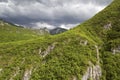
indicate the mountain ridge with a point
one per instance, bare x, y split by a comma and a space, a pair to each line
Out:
82, 53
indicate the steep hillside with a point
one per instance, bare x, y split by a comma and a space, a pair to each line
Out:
88, 52
106, 25
11, 33
53, 57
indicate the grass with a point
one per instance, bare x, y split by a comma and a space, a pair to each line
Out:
20, 48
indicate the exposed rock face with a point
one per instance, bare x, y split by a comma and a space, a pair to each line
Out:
97, 51
48, 50
97, 73
39, 51
27, 74
116, 50
1, 69
93, 72
75, 78
108, 26
43, 30
84, 42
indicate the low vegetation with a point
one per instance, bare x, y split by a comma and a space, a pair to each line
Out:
68, 55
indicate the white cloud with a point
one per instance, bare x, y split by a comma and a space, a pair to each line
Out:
50, 12
39, 25
68, 26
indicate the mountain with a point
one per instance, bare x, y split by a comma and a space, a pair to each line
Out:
11, 33
57, 30
42, 31
90, 51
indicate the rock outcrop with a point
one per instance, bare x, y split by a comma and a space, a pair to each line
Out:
93, 72
74, 78
116, 50
48, 50
98, 54
27, 74
83, 42
108, 26
1, 69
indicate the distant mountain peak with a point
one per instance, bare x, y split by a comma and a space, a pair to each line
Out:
57, 30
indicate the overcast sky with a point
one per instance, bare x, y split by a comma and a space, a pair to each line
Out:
50, 13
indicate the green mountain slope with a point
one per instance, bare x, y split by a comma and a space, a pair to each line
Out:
12, 33
88, 52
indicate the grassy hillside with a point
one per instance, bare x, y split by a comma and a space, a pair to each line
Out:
69, 57
83, 53
11, 33
106, 25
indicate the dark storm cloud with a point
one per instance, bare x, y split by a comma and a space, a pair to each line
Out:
51, 13
3, 0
